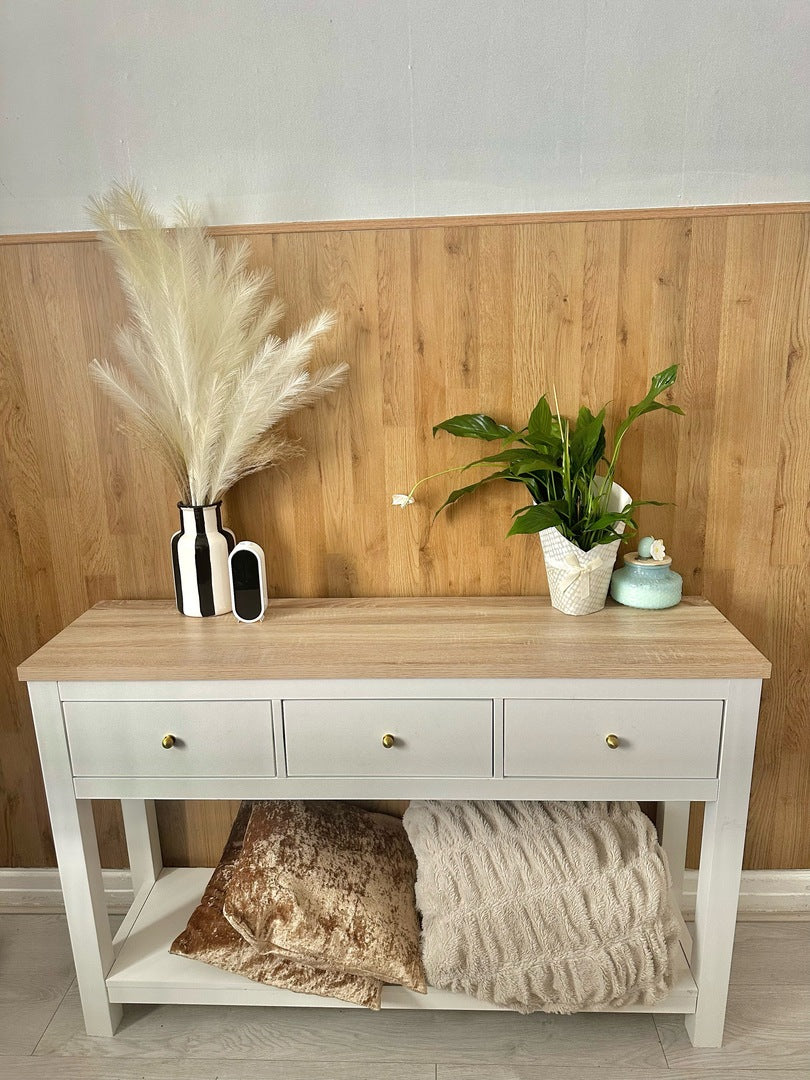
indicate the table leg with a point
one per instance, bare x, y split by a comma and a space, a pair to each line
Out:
74, 836
721, 854
143, 842
673, 828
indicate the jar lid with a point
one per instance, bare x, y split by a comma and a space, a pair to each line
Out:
632, 558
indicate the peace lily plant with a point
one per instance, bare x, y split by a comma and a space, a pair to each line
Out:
576, 505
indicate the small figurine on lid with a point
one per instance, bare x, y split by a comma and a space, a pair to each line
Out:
646, 580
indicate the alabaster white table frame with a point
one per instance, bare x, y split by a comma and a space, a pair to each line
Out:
681, 739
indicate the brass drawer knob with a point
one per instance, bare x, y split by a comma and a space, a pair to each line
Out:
388, 741
167, 742
612, 741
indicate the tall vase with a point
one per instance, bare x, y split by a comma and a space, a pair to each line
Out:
200, 559
578, 580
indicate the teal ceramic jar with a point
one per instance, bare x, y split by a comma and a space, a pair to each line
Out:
645, 583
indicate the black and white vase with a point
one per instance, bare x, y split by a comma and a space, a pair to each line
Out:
200, 560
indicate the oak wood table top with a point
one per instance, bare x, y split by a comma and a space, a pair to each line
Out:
426, 637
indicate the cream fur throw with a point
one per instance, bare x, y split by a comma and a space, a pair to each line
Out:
557, 906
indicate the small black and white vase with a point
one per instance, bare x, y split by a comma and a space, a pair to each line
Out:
200, 560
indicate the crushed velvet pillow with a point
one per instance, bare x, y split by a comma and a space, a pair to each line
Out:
330, 883
211, 938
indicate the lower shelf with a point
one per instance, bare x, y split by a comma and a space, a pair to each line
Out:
145, 971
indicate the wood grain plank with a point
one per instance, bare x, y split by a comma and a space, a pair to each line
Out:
771, 954
82, 1068
36, 970
437, 316
766, 1028
406, 637
207, 1033
37, 946
573, 1072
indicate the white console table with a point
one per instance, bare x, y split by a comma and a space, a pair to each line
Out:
494, 698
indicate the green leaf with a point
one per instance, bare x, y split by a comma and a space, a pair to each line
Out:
536, 464
515, 455
658, 384
522, 461
474, 426
608, 521
670, 408
610, 536
508, 440
541, 432
533, 519
663, 380
611, 519
557, 461
587, 440
540, 421
459, 493
551, 444
557, 505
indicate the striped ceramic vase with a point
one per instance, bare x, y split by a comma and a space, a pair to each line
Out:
200, 560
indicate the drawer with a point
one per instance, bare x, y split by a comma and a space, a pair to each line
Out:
667, 739
212, 738
431, 738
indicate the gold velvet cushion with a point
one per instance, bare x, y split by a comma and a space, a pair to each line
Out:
211, 938
330, 883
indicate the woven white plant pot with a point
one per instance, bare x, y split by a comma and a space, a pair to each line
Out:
578, 580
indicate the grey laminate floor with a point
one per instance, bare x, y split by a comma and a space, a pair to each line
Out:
767, 1035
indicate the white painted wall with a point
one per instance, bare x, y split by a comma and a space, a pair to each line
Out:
272, 110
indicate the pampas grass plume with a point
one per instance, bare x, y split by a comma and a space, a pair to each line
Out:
202, 380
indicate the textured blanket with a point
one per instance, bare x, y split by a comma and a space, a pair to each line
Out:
557, 906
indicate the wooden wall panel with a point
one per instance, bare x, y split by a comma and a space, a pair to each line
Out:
435, 319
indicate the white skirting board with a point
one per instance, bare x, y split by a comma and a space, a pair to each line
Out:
763, 893
35, 891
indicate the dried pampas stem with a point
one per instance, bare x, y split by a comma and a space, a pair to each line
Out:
202, 379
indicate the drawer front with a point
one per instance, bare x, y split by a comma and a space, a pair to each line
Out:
431, 738
212, 738
668, 739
